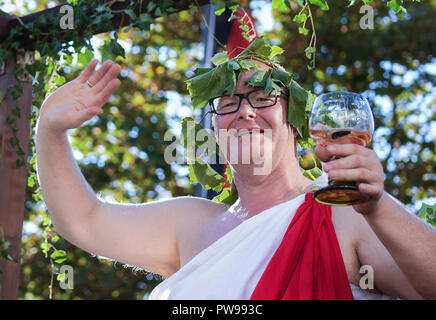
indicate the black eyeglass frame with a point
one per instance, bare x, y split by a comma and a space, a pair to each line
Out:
243, 96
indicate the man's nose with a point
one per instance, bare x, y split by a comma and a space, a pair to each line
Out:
245, 110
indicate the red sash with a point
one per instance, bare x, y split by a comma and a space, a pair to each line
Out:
308, 264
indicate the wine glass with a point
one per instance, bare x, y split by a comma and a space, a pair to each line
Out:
341, 118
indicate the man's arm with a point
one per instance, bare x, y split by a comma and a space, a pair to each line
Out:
141, 235
405, 239
409, 241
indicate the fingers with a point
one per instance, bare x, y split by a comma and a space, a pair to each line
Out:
349, 162
348, 167
357, 174
88, 71
107, 91
347, 149
372, 190
99, 74
322, 153
110, 74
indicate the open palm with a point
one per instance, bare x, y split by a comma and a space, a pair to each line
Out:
80, 99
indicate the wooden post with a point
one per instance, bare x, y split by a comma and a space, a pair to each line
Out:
13, 181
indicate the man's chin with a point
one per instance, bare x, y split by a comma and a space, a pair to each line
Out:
258, 165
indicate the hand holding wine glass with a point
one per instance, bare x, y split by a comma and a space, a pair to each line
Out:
341, 125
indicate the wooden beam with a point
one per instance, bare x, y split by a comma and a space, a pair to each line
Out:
13, 181
119, 20
4, 24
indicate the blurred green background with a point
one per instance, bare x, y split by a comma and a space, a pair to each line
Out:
121, 152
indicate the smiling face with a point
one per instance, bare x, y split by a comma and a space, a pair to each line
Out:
253, 136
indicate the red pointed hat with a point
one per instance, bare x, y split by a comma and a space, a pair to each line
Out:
236, 42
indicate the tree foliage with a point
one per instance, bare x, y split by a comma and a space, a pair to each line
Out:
121, 152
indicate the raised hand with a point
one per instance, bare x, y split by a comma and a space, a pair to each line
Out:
359, 164
80, 99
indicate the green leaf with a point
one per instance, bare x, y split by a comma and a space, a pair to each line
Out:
14, 141
281, 76
259, 47
309, 52
151, 5
228, 196
59, 256
248, 65
229, 174
300, 18
10, 120
46, 221
258, 79
199, 170
219, 58
61, 277
303, 31
281, 5
30, 181
45, 247
19, 163
190, 129
111, 49
320, 3
130, 13
17, 92
220, 11
117, 49
244, 28
219, 6
246, 36
352, 2
5, 245
212, 83
275, 50
300, 101
426, 210
288, 4
395, 5
207, 176
60, 80
84, 58
313, 173
193, 9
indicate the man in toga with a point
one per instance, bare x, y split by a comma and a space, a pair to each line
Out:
205, 249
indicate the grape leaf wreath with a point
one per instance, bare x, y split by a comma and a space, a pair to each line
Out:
211, 82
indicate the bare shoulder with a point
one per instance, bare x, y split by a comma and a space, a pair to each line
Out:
195, 209
195, 213
198, 226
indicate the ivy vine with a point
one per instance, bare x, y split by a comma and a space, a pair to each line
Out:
54, 47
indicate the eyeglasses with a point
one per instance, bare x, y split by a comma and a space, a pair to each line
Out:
257, 98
